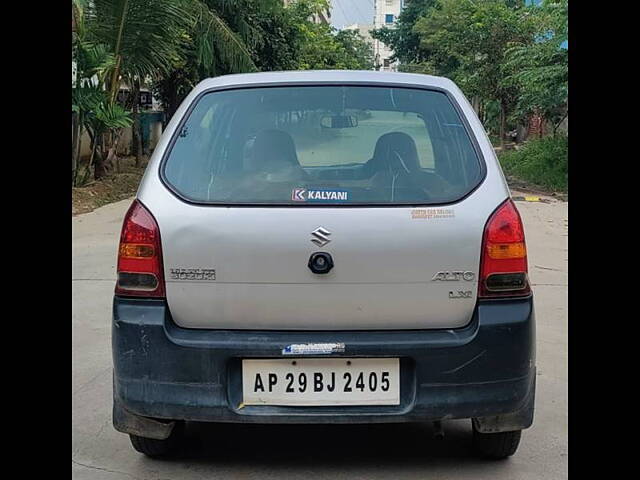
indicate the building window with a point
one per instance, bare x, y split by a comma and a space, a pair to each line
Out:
386, 63
389, 3
388, 18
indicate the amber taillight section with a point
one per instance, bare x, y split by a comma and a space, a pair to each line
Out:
140, 271
503, 267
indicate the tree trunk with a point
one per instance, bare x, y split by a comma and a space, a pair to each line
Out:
99, 168
475, 103
112, 153
75, 135
503, 124
78, 152
81, 130
87, 170
556, 126
172, 100
136, 131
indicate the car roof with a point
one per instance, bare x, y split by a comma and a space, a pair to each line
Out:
329, 76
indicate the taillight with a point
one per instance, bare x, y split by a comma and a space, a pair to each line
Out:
140, 271
503, 267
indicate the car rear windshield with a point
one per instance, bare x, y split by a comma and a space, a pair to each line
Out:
338, 145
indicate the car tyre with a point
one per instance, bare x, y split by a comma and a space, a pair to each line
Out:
497, 445
154, 448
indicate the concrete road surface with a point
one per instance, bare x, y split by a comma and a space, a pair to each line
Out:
310, 452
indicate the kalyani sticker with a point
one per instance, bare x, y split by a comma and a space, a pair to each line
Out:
319, 195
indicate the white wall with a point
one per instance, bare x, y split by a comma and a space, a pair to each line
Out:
124, 144
382, 8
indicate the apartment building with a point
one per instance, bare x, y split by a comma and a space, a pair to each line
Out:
385, 15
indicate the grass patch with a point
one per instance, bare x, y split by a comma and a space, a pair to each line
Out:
112, 188
543, 162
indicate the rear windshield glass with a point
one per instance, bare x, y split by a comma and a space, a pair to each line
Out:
323, 144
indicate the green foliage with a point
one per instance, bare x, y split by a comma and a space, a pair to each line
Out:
92, 59
279, 44
141, 40
358, 52
321, 50
222, 35
112, 116
467, 41
86, 99
226, 36
505, 56
540, 69
318, 45
276, 38
143, 35
150, 39
543, 162
92, 63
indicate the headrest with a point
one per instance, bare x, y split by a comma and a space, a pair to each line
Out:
273, 149
396, 142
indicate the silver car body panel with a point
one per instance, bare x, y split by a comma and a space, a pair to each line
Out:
385, 258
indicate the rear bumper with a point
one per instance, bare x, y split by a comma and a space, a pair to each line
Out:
485, 370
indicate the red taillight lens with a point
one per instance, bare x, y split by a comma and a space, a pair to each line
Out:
140, 271
503, 268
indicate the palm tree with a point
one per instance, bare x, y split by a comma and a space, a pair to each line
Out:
91, 110
224, 39
147, 37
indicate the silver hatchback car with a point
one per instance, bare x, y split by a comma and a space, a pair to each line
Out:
323, 247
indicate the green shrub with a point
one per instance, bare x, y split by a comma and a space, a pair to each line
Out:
542, 161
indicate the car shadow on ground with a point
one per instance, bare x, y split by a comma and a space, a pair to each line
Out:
332, 446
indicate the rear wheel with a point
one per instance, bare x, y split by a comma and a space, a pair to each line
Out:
155, 448
496, 445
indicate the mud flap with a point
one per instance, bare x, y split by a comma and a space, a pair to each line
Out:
126, 422
509, 422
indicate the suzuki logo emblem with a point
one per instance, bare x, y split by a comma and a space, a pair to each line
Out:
321, 236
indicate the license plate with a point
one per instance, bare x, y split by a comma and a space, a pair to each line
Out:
321, 381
